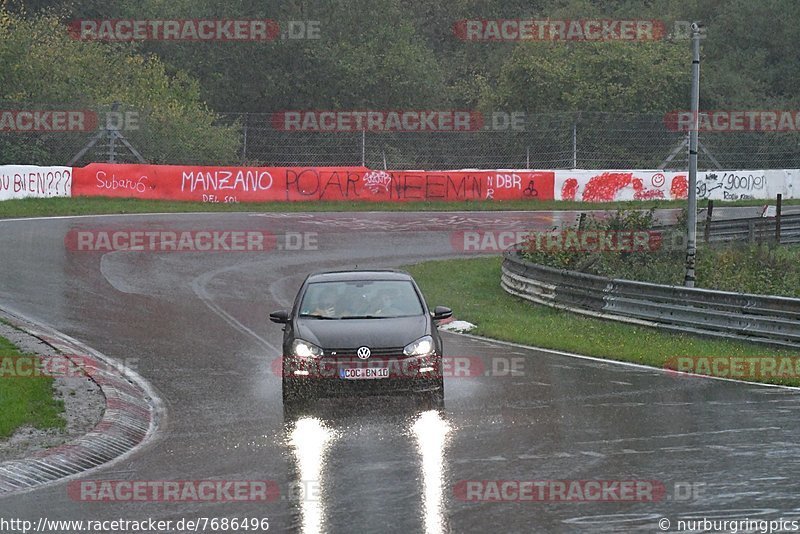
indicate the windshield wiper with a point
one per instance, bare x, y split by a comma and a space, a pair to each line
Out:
317, 316
363, 317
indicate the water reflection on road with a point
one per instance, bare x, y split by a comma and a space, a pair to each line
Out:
387, 430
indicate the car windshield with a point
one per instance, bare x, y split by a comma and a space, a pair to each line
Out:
363, 299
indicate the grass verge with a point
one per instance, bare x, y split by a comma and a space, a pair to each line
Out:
43, 207
501, 316
25, 400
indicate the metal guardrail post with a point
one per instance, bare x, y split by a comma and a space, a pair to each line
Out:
778, 218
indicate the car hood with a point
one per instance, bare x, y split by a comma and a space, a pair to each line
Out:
354, 333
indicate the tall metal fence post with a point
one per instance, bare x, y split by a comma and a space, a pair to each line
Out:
244, 139
574, 145
364, 147
112, 149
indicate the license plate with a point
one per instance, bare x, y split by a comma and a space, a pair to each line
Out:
364, 373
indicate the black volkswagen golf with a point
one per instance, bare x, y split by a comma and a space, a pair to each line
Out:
360, 331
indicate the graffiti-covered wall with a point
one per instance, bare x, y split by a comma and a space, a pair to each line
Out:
607, 186
259, 184
23, 181
263, 184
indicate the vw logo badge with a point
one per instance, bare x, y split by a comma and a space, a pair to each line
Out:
363, 353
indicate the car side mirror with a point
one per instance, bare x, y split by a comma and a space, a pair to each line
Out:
280, 316
442, 312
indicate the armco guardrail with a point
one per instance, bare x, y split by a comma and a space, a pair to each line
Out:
758, 318
754, 229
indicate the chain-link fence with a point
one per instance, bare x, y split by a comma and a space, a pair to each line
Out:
588, 140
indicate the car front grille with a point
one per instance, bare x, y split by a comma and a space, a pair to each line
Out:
350, 353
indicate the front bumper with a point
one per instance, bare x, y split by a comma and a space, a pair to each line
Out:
413, 373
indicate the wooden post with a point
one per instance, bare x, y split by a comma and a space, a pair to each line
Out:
709, 214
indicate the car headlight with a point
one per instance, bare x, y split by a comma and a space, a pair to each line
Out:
421, 347
304, 349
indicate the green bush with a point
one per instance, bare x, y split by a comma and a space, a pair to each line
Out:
763, 268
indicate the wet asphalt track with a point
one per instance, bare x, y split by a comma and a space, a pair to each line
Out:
194, 325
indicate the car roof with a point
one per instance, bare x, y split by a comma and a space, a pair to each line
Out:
342, 276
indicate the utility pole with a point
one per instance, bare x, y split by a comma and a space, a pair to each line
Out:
691, 238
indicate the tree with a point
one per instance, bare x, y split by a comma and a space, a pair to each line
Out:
588, 76
43, 67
